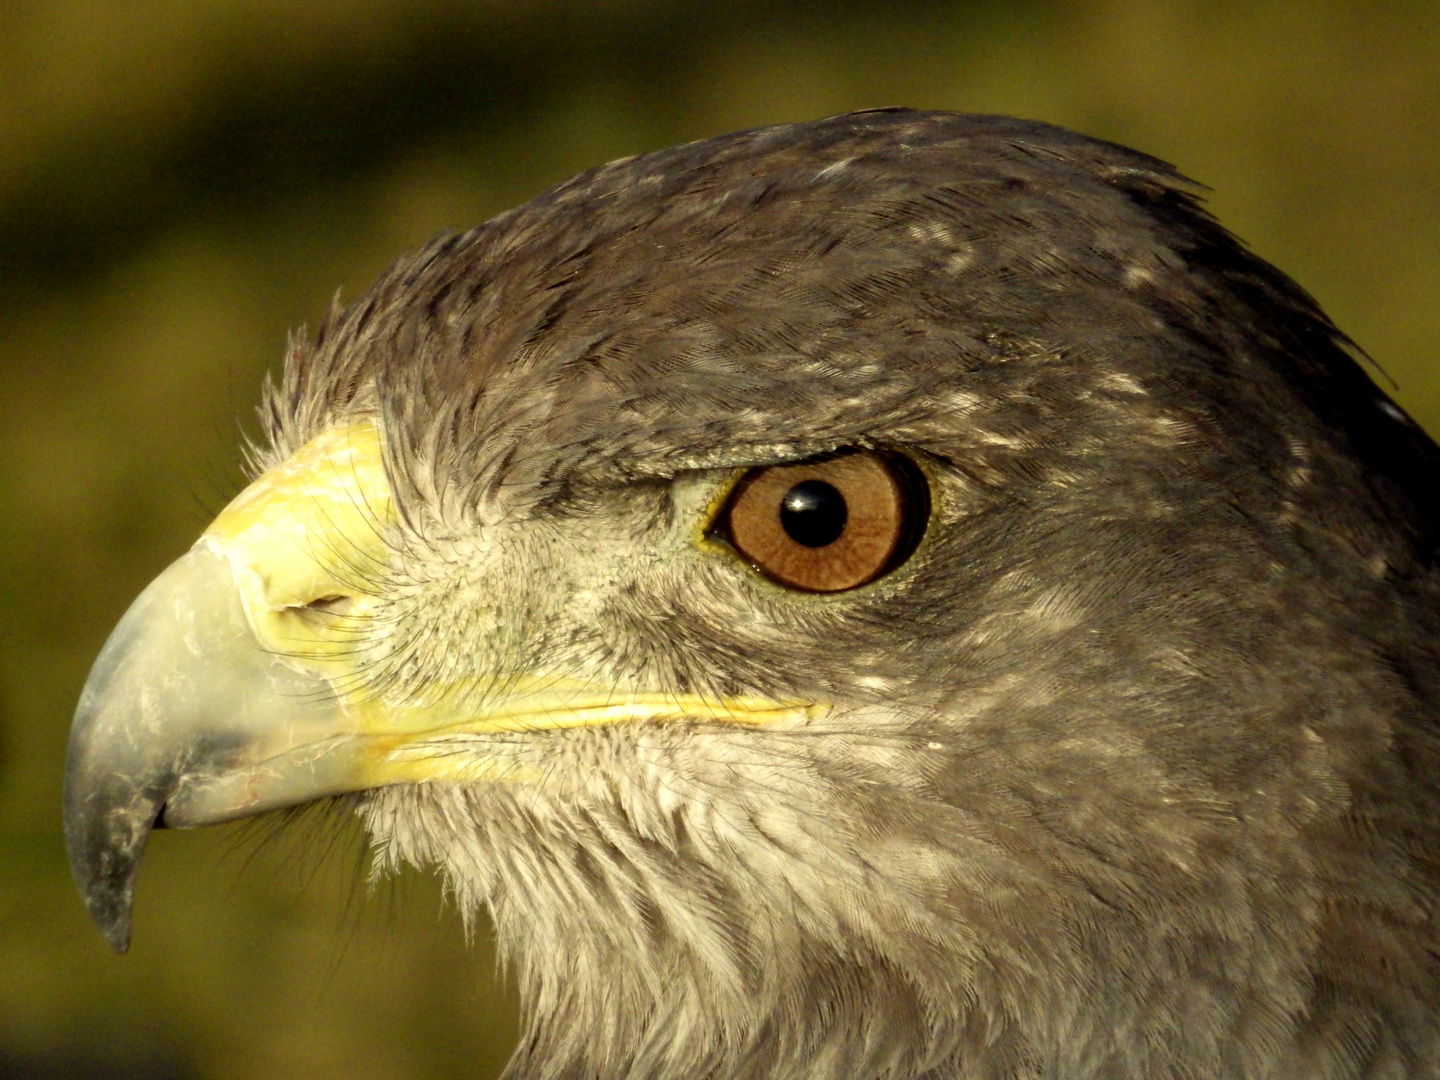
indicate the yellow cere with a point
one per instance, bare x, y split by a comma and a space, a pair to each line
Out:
309, 530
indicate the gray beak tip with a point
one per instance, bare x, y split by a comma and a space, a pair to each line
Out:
113, 921
108, 890
108, 886
104, 856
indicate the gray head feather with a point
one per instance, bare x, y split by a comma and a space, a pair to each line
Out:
1131, 769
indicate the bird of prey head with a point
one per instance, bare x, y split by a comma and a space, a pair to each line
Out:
905, 595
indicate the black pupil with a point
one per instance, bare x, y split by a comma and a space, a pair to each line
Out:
813, 513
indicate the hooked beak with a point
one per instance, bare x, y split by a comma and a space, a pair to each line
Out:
214, 697
180, 714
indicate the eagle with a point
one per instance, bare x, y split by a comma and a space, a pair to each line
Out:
905, 595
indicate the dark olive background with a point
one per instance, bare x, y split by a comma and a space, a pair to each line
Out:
184, 181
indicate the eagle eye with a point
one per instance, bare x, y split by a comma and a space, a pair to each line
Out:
830, 524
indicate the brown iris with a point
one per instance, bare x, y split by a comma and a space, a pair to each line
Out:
829, 524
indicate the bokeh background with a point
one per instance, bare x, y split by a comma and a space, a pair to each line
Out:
182, 182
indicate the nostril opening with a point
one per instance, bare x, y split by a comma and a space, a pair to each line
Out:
331, 605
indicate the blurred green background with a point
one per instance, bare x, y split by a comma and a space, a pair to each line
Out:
184, 181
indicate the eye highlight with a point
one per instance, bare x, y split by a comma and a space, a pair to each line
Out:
827, 525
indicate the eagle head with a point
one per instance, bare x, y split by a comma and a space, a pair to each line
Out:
905, 595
